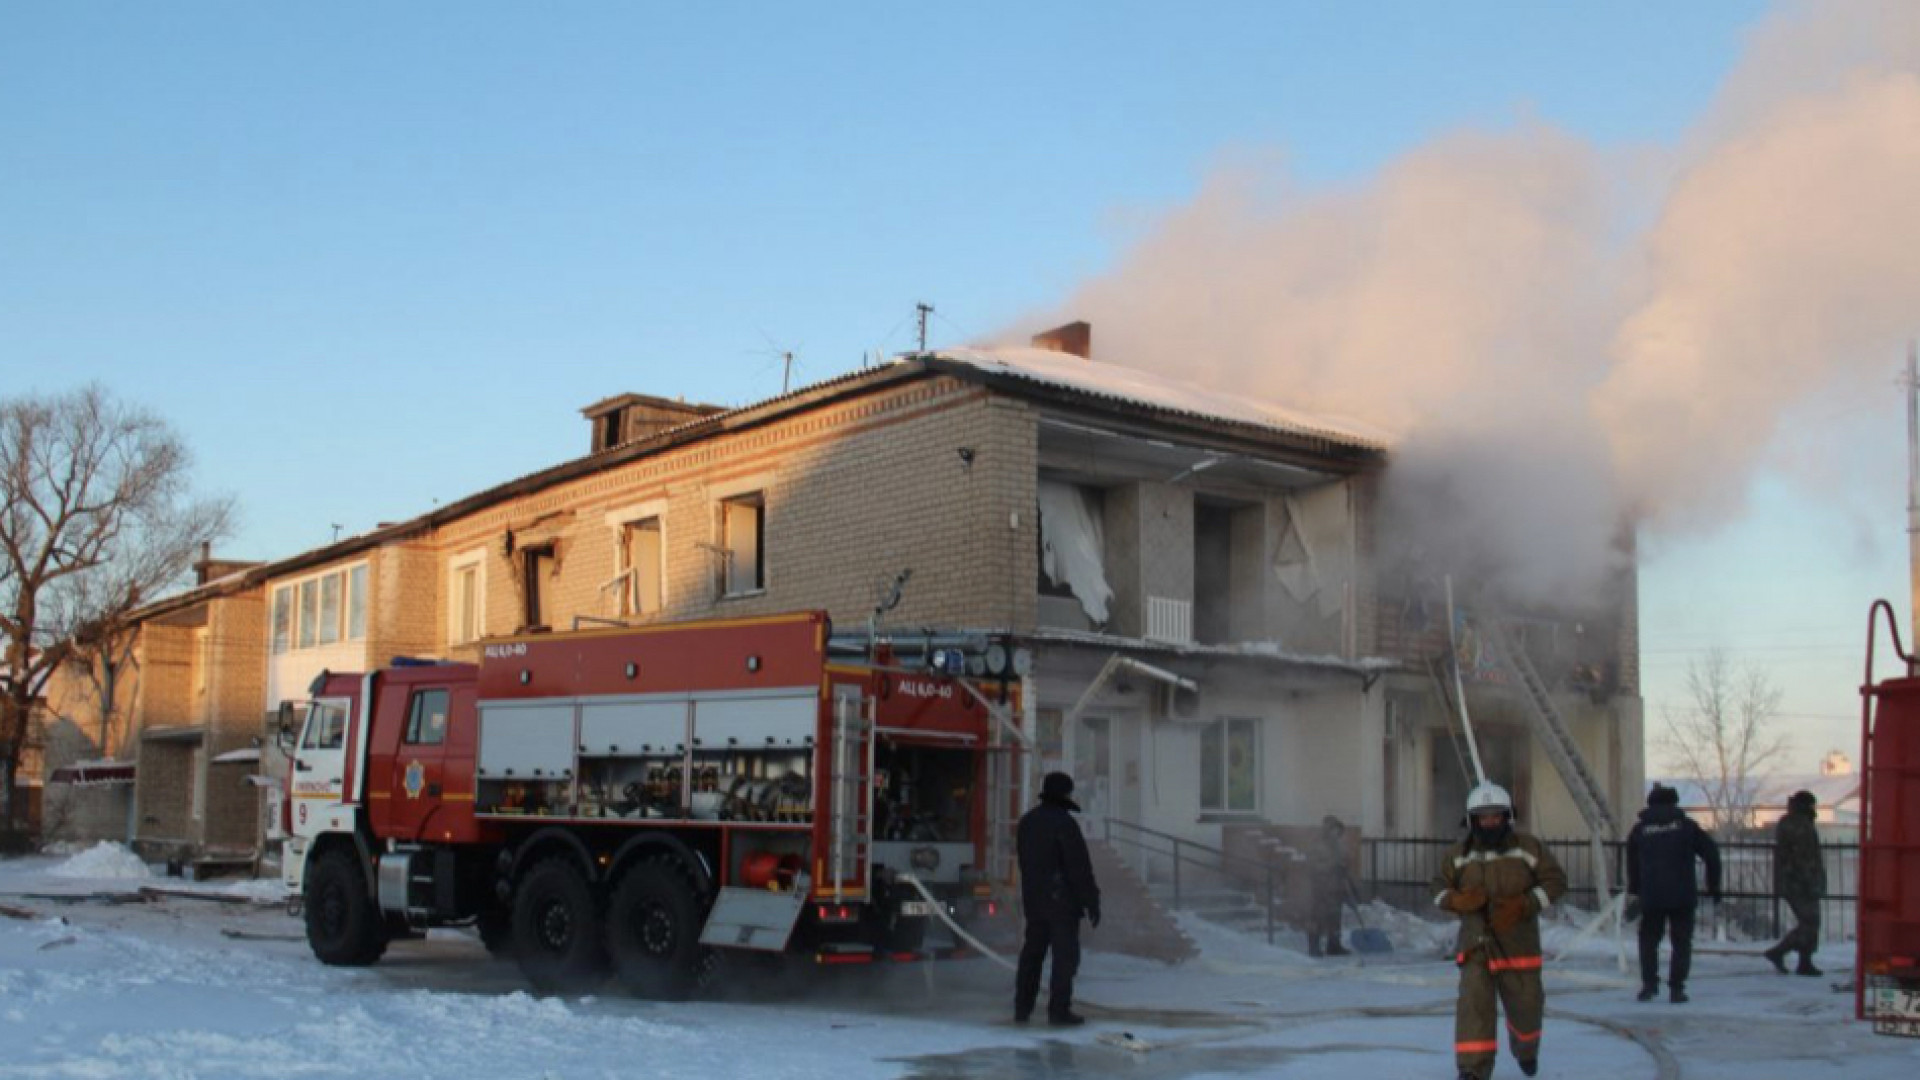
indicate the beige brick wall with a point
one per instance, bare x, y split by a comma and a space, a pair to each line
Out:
164, 696
854, 494
406, 584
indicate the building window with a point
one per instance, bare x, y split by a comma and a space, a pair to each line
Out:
1073, 547
325, 609
357, 603
330, 609
1229, 766
309, 613
743, 533
641, 569
466, 600
282, 619
537, 567
427, 723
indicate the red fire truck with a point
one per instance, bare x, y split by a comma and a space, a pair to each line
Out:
633, 799
1887, 967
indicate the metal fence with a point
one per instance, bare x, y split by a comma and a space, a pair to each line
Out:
1401, 872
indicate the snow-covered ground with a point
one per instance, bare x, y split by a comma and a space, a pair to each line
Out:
191, 986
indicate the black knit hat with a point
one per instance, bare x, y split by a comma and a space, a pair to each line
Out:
1802, 800
1662, 795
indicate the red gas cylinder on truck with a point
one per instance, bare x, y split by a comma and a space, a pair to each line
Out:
1887, 971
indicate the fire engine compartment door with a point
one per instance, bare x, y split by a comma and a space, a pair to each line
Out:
757, 919
526, 740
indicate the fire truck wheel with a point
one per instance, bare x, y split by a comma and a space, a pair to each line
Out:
653, 932
556, 927
343, 927
495, 926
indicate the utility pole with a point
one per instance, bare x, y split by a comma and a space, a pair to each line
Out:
1912, 384
925, 310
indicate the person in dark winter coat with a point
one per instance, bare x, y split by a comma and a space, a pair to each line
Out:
1661, 851
1498, 880
1327, 869
1800, 877
1057, 889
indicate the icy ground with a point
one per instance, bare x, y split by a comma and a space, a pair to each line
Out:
96, 987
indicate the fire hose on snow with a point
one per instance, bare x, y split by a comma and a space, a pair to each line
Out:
940, 910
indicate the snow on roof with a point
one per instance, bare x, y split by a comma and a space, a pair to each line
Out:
1146, 388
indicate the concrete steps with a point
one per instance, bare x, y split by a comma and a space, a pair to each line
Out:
1132, 918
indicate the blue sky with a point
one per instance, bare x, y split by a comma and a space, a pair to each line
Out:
368, 257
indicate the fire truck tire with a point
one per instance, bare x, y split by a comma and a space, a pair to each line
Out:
556, 927
653, 932
343, 926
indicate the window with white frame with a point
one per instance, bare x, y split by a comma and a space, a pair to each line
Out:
324, 609
743, 534
466, 599
1229, 765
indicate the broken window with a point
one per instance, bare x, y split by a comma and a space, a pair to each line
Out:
1073, 545
743, 532
1212, 573
640, 567
537, 566
1229, 765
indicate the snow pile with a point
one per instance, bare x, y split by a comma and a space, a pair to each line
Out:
105, 859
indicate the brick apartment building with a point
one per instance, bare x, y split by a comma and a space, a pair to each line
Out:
1221, 548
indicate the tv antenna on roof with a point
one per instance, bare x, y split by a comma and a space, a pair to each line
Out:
924, 310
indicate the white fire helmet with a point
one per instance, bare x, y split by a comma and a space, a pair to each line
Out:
1489, 796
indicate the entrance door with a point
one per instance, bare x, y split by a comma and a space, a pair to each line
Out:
1093, 771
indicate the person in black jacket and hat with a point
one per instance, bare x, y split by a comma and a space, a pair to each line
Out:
1056, 889
1661, 851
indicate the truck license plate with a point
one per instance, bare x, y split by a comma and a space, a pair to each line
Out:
1896, 1011
915, 907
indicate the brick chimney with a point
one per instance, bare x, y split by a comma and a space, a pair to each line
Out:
1075, 338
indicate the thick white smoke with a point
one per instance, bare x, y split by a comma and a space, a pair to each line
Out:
1559, 359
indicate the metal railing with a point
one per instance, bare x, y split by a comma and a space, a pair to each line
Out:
1401, 872
1201, 862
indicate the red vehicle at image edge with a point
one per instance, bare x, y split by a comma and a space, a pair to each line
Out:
634, 799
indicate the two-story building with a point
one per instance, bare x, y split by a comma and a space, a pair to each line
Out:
1193, 572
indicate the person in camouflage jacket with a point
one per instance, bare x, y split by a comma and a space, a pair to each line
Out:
1327, 874
1800, 878
1498, 881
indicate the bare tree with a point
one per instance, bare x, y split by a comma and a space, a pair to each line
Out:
1725, 736
96, 518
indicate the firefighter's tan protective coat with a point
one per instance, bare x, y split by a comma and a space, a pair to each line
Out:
1504, 964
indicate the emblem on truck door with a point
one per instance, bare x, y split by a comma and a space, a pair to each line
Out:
416, 779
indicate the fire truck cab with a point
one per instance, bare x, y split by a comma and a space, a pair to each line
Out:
629, 800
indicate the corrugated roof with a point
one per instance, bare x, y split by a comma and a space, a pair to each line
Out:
1040, 367
1112, 382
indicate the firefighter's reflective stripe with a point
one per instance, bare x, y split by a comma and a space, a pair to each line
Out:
1523, 1036
1515, 963
1477, 1046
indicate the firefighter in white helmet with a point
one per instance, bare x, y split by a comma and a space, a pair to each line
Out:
1498, 880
